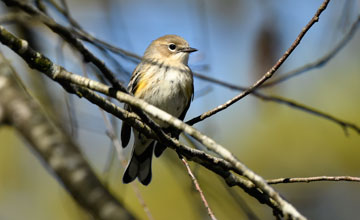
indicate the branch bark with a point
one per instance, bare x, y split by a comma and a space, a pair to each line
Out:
314, 179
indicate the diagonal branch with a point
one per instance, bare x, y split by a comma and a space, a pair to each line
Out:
269, 73
197, 186
320, 62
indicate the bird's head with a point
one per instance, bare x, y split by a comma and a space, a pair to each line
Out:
171, 48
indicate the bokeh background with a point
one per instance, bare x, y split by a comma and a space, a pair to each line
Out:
237, 41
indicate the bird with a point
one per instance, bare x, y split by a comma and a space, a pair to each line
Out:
163, 79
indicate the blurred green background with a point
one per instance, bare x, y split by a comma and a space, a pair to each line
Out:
237, 41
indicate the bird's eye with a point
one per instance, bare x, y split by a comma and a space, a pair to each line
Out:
172, 47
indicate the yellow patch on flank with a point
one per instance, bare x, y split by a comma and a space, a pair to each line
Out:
141, 85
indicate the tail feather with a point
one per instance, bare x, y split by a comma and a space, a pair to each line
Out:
159, 149
131, 171
140, 167
125, 134
144, 172
125, 130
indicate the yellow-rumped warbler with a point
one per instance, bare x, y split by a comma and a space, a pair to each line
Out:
164, 80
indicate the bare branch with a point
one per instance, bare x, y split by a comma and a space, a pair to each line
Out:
65, 11
197, 186
269, 73
344, 124
314, 179
320, 62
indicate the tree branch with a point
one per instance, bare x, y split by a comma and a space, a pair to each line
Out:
269, 73
314, 179
198, 188
320, 62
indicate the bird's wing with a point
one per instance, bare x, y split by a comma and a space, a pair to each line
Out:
126, 128
125, 131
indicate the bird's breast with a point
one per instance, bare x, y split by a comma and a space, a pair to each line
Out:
170, 89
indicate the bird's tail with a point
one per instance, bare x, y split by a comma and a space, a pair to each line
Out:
140, 166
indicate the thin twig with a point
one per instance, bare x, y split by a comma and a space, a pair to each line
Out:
281, 100
269, 73
66, 12
239, 201
320, 62
197, 186
314, 179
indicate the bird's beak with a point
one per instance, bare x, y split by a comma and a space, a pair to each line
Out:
187, 49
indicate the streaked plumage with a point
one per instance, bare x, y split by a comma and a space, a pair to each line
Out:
164, 80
